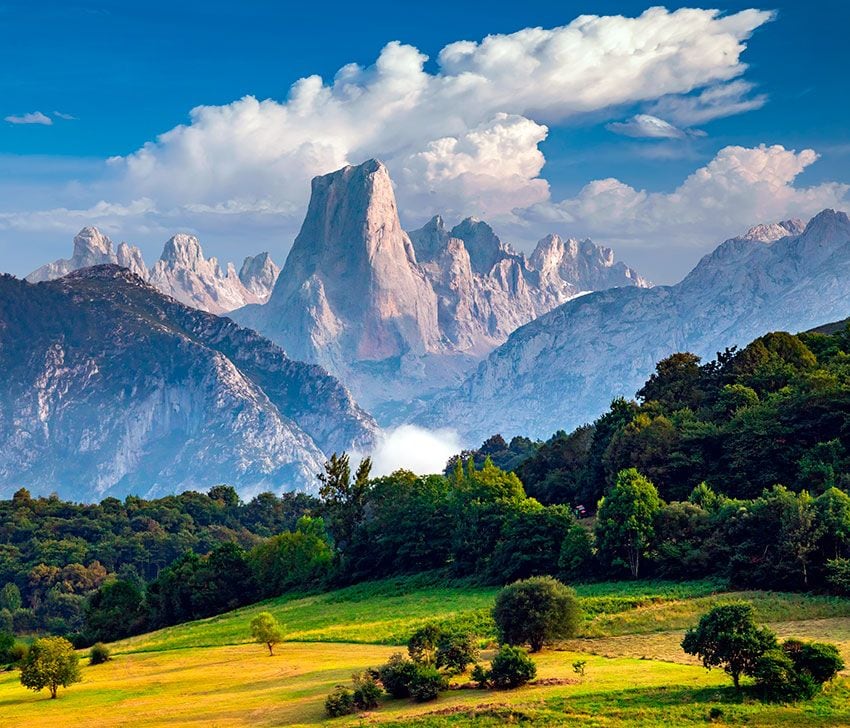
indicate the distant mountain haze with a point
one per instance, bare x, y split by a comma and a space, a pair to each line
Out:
111, 387
565, 367
182, 271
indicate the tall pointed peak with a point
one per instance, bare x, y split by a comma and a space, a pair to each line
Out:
481, 242
90, 243
182, 249
826, 221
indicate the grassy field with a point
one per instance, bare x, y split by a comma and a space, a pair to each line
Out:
207, 674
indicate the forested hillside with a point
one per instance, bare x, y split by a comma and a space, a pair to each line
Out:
733, 470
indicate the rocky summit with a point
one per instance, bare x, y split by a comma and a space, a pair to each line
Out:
111, 387
564, 368
397, 315
182, 271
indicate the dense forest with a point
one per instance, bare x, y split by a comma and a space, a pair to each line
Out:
734, 469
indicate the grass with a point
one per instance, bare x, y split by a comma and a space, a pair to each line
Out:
204, 673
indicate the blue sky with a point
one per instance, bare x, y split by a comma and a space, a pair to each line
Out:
129, 72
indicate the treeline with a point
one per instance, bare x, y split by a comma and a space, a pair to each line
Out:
54, 555
776, 412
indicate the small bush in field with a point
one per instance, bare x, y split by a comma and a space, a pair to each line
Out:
340, 702
427, 683
510, 668
396, 675
98, 654
367, 692
456, 651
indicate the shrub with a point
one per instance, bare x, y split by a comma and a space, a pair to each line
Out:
481, 676
536, 611
396, 675
98, 654
819, 660
427, 683
339, 702
367, 692
776, 679
510, 668
456, 651
729, 637
422, 645
579, 667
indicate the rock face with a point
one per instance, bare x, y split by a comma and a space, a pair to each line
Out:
111, 388
398, 315
92, 247
182, 271
564, 368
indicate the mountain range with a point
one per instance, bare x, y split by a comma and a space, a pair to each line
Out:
111, 387
398, 315
182, 271
564, 368
117, 382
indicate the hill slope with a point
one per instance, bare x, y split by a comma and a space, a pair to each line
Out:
110, 387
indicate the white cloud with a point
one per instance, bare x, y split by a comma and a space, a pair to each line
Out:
62, 115
414, 448
465, 137
645, 126
34, 117
738, 188
713, 102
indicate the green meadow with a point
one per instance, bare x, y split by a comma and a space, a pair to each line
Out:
208, 673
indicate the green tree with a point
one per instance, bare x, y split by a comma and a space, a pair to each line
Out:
536, 611
51, 662
266, 631
624, 525
10, 597
344, 499
729, 637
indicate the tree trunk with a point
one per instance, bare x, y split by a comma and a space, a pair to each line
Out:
53, 689
270, 645
736, 679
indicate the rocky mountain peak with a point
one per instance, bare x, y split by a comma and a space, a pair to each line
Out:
483, 245
770, 232
351, 282
183, 250
259, 274
91, 245
430, 239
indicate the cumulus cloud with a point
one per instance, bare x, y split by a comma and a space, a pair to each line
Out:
464, 137
34, 117
414, 448
739, 187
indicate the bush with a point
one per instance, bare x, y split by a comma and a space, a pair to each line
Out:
510, 668
7, 642
536, 611
456, 651
339, 702
797, 671
427, 683
397, 675
819, 660
367, 692
777, 680
481, 676
838, 574
98, 654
